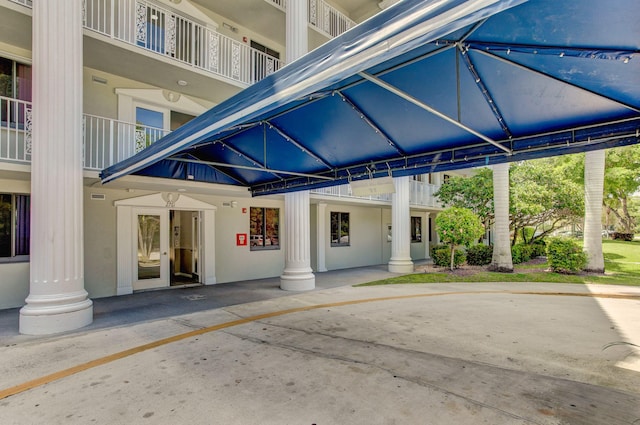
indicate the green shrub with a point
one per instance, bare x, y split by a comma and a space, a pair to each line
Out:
623, 236
521, 253
479, 255
539, 248
565, 256
441, 255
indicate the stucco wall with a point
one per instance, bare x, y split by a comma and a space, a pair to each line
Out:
365, 234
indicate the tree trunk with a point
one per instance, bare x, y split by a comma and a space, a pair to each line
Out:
594, 163
501, 261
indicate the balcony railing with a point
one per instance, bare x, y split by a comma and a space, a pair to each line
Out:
167, 33
421, 194
327, 19
323, 17
105, 141
15, 130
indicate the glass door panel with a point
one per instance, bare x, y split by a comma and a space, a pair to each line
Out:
148, 247
151, 261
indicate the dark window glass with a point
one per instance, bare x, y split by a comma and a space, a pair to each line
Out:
416, 229
264, 228
15, 225
340, 229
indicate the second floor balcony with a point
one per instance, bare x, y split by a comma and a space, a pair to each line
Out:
107, 141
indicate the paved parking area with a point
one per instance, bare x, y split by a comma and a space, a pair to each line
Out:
404, 354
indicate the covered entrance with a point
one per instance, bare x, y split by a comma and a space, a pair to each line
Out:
162, 242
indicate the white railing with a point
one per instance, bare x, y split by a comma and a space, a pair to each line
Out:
163, 31
421, 194
107, 141
15, 130
327, 19
344, 191
323, 17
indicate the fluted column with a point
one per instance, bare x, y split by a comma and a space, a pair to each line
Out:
594, 166
297, 274
501, 260
296, 29
400, 261
322, 237
57, 299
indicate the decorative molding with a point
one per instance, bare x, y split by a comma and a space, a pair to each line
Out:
214, 41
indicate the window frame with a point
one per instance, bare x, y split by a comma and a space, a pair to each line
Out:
13, 257
264, 232
340, 216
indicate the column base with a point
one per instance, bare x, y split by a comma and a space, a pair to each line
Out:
50, 314
297, 281
401, 266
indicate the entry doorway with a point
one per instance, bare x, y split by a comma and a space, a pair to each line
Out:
163, 240
185, 247
166, 249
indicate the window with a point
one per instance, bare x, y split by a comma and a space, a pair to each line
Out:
264, 228
15, 225
149, 128
445, 178
416, 229
15, 83
339, 229
418, 177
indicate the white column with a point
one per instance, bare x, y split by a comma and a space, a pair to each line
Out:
501, 260
322, 236
57, 299
400, 261
427, 247
296, 29
297, 274
594, 163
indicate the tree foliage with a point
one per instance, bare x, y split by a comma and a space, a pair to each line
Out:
621, 181
543, 196
474, 193
458, 226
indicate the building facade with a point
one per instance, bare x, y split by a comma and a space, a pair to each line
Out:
99, 80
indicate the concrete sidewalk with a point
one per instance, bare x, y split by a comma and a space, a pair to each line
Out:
403, 354
152, 305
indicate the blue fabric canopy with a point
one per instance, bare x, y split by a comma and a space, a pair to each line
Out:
423, 86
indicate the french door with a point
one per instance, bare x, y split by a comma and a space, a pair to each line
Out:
151, 262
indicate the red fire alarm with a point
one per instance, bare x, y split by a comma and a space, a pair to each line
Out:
244, 39
244, 210
241, 239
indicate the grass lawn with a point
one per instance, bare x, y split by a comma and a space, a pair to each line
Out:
622, 267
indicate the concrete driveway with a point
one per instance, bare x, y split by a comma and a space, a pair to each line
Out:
403, 354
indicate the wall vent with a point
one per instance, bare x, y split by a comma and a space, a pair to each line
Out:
98, 197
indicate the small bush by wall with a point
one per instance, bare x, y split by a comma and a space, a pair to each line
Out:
479, 255
565, 256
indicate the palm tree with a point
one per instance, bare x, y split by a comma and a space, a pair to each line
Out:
594, 163
501, 260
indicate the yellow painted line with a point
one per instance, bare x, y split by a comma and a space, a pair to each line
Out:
135, 350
